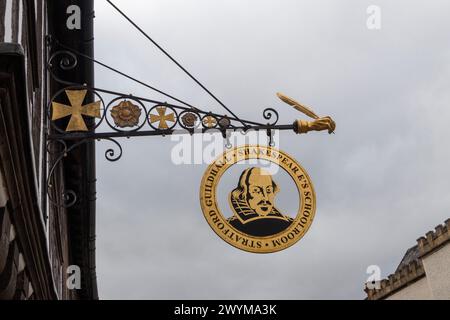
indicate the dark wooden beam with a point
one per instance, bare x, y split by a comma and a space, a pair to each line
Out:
79, 166
2, 20
17, 162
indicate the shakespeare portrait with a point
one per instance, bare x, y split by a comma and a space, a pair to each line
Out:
253, 204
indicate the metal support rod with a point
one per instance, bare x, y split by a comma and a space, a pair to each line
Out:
103, 135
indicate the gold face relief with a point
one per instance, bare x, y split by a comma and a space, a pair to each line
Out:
257, 225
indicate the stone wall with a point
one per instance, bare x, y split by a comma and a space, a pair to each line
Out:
427, 277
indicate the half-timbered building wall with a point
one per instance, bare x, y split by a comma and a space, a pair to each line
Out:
34, 244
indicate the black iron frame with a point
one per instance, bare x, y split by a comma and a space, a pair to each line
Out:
56, 138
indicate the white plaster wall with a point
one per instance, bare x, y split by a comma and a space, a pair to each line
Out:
11, 20
437, 269
8, 22
418, 290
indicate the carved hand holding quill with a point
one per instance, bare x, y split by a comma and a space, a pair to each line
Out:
304, 126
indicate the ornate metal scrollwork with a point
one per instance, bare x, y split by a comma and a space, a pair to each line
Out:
268, 113
110, 154
59, 149
127, 115
68, 197
65, 60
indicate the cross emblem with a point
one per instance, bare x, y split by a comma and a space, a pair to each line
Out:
162, 117
76, 110
209, 121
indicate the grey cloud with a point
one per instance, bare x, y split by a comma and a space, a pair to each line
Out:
381, 180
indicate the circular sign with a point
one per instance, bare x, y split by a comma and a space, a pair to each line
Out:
256, 224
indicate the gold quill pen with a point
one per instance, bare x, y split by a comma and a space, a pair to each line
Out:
298, 106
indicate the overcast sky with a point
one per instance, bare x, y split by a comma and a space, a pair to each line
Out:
382, 180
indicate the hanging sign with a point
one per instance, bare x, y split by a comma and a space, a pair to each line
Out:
252, 221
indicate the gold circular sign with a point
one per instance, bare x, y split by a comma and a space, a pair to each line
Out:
257, 225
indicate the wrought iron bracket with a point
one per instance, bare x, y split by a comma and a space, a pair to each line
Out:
126, 116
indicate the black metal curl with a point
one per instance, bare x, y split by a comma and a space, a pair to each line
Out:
110, 154
69, 197
67, 61
268, 113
